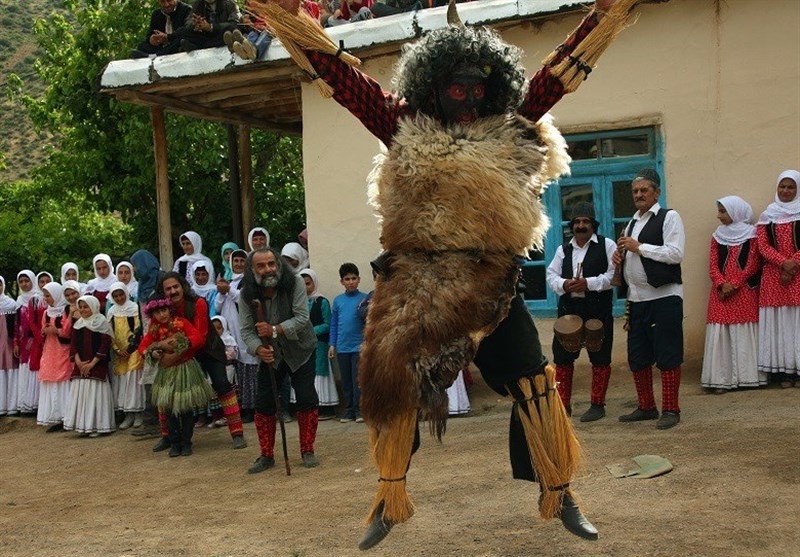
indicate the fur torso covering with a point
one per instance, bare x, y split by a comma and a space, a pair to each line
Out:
456, 204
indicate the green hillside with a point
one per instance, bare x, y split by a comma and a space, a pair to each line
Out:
22, 148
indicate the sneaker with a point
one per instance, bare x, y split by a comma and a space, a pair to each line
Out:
640, 415
137, 420
238, 49
325, 417
217, 423
668, 420
94, 435
162, 445
359, 420
227, 37
262, 463
594, 413
310, 461
127, 422
249, 50
239, 442
237, 36
345, 419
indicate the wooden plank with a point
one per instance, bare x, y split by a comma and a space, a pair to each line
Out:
246, 75
162, 187
215, 115
246, 181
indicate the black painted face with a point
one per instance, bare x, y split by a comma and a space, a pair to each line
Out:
462, 98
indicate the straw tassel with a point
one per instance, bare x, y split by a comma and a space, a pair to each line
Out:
391, 449
298, 31
554, 447
573, 69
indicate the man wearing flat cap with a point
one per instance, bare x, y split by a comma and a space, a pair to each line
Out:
651, 249
581, 274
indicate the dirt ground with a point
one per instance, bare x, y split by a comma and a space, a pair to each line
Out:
735, 489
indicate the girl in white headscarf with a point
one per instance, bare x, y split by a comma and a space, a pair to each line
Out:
104, 277
731, 347
70, 271
126, 363
9, 368
29, 300
91, 406
295, 255
56, 367
779, 313
125, 275
192, 246
319, 309
202, 284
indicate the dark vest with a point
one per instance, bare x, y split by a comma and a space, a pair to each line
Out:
58, 322
315, 315
741, 261
596, 304
658, 274
214, 347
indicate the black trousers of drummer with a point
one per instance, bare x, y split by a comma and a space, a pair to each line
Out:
593, 305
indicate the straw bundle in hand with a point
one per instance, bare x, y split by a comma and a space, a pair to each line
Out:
297, 31
573, 69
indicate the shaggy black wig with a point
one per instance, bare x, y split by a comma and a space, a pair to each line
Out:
433, 58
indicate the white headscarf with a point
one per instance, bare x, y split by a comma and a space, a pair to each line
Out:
38, 276
133, 285
204, 289
97, 322
127, 309
298, 253
313, 276
24, 297
252, 232
197, 255
71, 285
780, 212
226, 336
742, 228
98, 284
7, 303
59, 306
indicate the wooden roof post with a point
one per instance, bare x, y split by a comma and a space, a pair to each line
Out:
246, 180
162, 188
233, 182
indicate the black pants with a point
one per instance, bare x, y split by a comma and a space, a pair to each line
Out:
302, 381
655, 333
216, 372
181, 429
144, 49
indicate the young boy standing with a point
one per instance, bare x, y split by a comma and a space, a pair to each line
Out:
346, 336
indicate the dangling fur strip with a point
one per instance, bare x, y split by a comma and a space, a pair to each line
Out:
553, 444
391, 450
573, 70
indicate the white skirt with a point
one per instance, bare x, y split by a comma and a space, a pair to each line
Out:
778, 346
91, 407
53, 402
458, 400
730, 358
27, 389
8, 391
129, 392
326, 388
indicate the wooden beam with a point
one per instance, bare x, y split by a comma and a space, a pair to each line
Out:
162, 188
197, 111
247, 75
246, 181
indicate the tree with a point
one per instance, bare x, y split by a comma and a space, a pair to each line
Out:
104, 148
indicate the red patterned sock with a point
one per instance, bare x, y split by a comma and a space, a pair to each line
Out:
265, 428
643, 379
670, 384
163, 424
564, 380
600, 377
307, 421
230, 408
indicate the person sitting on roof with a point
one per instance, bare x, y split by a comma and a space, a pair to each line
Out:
170, 16
208, 22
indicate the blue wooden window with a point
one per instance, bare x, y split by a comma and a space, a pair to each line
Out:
603, 165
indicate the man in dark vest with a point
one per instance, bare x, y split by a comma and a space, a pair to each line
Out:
289, 350
164, 35
211, 356
581, 274
651, 249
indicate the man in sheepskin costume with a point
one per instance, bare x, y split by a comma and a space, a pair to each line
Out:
469, 150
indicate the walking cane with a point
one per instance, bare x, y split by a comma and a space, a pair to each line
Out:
258, 309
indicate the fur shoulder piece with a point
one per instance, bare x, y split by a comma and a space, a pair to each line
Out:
467, 187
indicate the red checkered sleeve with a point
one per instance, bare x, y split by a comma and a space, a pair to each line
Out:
377, 109
545, 90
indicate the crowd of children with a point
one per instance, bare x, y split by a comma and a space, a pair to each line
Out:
87, 357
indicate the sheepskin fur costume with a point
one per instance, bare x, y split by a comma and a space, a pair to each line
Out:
456, 204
